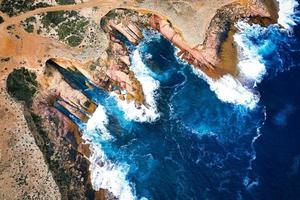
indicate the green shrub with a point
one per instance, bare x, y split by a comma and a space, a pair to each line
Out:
28, 24
69, 25
73, 27
15, 7
65, 2
29, 28
53, 18
21, 84
74, 40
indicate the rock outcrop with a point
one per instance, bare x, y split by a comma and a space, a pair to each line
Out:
43, 132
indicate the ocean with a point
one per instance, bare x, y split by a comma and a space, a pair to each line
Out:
197, 138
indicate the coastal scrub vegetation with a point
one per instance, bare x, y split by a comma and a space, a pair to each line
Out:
22, 85
43, 141
65, 2
74, 40
28, 24
70, 27
58, 158
15, 7
52, 19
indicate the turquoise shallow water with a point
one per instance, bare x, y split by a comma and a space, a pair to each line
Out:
201, 147
198, 148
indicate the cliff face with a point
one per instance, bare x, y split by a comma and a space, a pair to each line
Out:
41, 137
216, 55
24, 174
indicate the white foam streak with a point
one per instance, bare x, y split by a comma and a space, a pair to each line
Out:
104, 173
98, 122
251, 70
230, 90
148, 112
250, 63
251, 66
286, 13
240, 90
110, 176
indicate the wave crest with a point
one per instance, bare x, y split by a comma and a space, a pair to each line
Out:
104, 173
99, 121
110, 176
250, 63
149, 111
228, 89
287, 17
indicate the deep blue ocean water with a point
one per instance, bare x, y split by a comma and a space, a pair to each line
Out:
201, 147
278, 149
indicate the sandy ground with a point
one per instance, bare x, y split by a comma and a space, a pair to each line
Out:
192, 18
23, 171
22, 168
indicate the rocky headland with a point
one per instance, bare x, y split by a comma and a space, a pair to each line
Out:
42, 153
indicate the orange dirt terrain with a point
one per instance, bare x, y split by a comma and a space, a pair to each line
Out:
42, 155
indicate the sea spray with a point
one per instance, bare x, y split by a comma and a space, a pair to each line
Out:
240, 90
99, 121
287, 16
256, 43
250, 63
147, 112
230, 90
251, 66
105, 174
108, 175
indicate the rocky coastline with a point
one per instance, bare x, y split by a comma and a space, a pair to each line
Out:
57, 135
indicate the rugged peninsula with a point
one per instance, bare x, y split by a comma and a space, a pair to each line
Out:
43, 43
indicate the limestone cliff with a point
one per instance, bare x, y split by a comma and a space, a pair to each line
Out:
42, 154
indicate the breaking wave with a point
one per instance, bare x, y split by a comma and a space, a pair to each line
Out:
105, 174
251, 64
111, 175
99, 121
230, 90
287, 9
240, 90
108, 175
147, 112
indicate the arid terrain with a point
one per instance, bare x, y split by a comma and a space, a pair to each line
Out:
42, 155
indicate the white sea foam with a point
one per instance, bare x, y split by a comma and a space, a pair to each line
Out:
287, 13
230, 90
240, 90
149, 111
250, 64
98, 122
104, 173
237, 90
108, 175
